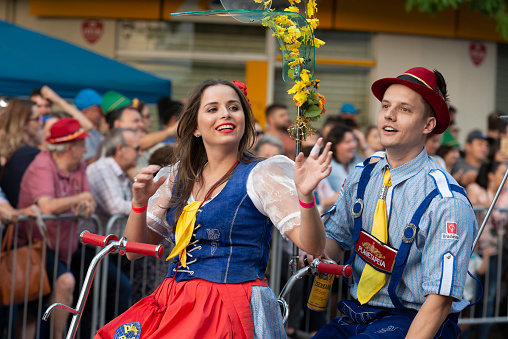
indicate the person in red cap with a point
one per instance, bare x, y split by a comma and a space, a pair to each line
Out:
56, 181
408, 222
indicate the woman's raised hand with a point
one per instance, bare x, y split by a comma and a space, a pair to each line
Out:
309, 172
144, 186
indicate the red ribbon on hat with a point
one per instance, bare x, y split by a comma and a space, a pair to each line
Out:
242, 88
66, 138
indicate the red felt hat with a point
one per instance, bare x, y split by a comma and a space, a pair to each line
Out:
66, 130
423, 82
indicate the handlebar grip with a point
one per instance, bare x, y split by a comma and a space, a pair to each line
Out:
345, 270
96, 239
146, 249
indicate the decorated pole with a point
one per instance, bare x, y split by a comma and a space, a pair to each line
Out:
299, 132
295, 34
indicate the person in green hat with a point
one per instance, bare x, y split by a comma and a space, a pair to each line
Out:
449, 151
120, 113
112, 100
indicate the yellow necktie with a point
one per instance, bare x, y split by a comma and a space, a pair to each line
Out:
184, 230
372, 280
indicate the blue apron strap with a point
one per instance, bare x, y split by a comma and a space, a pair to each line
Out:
461, 190
407, 240
358, 206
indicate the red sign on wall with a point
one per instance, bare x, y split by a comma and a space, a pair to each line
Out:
477, 52
92, 30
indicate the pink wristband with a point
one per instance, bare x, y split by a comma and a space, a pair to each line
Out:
307, 204
139, 209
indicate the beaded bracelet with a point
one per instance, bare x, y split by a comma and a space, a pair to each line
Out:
139, 209
307, 204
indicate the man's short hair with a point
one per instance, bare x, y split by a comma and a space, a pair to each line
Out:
493, 121
115, 115
115, 138
37, 93
163, 156
273, 107
60, 148
168, 108
428, 110
271, 140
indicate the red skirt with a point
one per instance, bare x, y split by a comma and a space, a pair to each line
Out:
189, 309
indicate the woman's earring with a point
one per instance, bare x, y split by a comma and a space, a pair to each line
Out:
198, 135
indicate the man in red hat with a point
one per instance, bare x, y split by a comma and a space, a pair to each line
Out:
56, 181
409, 224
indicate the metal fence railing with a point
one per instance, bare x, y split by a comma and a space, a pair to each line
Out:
24, 320
119, 283
492, 307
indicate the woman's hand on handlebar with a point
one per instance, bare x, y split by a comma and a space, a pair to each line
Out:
306, 259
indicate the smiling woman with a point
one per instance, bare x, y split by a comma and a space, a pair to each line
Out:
345, 158
218, 204
221, 119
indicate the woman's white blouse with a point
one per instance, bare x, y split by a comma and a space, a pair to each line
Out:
270, 186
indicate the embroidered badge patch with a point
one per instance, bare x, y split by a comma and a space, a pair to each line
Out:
129, 331
451, 231
374, 252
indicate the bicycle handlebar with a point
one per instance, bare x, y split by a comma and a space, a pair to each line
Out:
146, 249
124, 245
96, 239
344, 270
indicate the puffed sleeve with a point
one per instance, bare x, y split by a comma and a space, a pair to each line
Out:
271, 188
158, 203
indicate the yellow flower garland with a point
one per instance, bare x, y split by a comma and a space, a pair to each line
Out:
305, 94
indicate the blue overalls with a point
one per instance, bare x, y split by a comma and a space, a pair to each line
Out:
363, 321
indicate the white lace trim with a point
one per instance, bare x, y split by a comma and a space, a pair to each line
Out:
287, 224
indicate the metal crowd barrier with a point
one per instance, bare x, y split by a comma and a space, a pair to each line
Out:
492, 307
17, 320
474, 315
278, 273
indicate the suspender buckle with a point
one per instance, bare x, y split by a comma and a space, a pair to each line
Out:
409, 233
357, 208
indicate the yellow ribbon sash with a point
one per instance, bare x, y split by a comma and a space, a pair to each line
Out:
372, 280
184, 230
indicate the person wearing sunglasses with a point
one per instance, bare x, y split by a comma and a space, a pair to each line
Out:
110, 183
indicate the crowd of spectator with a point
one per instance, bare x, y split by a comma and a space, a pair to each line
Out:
81, 159
76, 158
